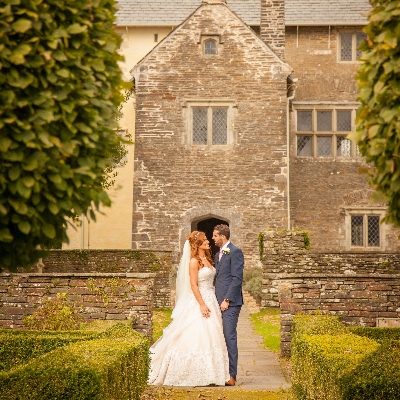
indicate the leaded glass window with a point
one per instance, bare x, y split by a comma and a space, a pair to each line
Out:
359, 37
324, 121
346, 47
324, 146
304, 121
304, 146
343, 147
210, 124
343, 120
373, 231
219, 125
210, 47
200, 125
357, 230
365, 230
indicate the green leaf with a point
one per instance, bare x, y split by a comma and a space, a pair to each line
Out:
19, 206
54, 208
14, 173
21, 25
76, 28
5, 143
5, 235
24, 227
49, 230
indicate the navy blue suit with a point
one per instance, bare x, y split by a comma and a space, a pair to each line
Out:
228, 285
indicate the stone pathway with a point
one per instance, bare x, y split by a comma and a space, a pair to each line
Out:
259, 368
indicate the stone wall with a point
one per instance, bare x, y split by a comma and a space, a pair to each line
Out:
106, 296
360, 287
116, 261
272, 27
357, 298
178, 184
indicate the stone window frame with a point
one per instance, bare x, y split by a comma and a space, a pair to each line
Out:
350, 211
333, 107
215, 37
231, 106
354, 33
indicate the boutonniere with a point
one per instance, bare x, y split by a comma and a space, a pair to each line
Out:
226, 251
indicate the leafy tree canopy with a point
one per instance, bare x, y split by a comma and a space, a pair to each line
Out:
60, 89
378, 119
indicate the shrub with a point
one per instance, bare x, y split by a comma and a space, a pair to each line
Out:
378, 334
252, 282
55, 315
376, 377
113, 365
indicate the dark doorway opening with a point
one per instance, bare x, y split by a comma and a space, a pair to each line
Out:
207, 226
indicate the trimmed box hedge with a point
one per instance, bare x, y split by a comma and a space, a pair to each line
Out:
108, 365
332, 362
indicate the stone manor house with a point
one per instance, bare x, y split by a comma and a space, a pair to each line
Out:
240, 115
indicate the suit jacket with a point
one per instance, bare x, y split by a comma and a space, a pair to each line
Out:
229, 276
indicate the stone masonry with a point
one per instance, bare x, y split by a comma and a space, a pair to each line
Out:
118, 296
176, 183
360, 287
112, 261
272, 27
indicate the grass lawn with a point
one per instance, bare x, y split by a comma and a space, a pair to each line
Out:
161, 318
267, 324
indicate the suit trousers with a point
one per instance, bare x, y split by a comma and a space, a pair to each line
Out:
230, 319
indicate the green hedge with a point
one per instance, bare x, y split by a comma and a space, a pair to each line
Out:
113, 365
378, 334
19, 347
333, 362
377, 377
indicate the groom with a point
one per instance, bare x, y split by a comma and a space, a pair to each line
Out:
229, 264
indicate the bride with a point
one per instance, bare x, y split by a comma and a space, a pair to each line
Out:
192, 350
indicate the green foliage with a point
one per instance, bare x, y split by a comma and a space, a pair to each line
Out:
60, 89
261, 244
267, 324
332, 362
307, 243
252, 282
378, 119
55, 315
379, 334
110, 365
19, 347
376, 377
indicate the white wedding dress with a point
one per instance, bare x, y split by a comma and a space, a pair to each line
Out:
192, 350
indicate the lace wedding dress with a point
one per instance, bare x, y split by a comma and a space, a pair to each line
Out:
192, 350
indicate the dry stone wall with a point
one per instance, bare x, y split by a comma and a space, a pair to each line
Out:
106, 296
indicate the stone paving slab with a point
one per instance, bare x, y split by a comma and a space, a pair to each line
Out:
258, 367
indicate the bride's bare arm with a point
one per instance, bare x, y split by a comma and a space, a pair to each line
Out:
193, 272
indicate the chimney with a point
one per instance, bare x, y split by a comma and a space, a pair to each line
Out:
272, 25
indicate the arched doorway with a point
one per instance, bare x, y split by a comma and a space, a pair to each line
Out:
207, 226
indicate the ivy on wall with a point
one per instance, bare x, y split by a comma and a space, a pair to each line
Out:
60, 89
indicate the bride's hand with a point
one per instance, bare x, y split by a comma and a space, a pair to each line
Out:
205, 311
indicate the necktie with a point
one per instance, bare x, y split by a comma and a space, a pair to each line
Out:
220, 254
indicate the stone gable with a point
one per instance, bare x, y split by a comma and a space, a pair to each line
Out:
177, 183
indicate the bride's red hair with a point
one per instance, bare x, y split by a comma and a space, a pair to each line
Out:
196, 239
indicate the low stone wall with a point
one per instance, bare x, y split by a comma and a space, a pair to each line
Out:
115, 261
359, 287
113, 296
284, 252
357, 299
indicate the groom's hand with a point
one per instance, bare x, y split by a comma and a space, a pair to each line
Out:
224, 305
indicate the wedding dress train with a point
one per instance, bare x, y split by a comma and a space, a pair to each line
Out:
192, 350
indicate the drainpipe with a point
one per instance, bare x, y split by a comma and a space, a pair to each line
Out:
292, 87
82, 231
